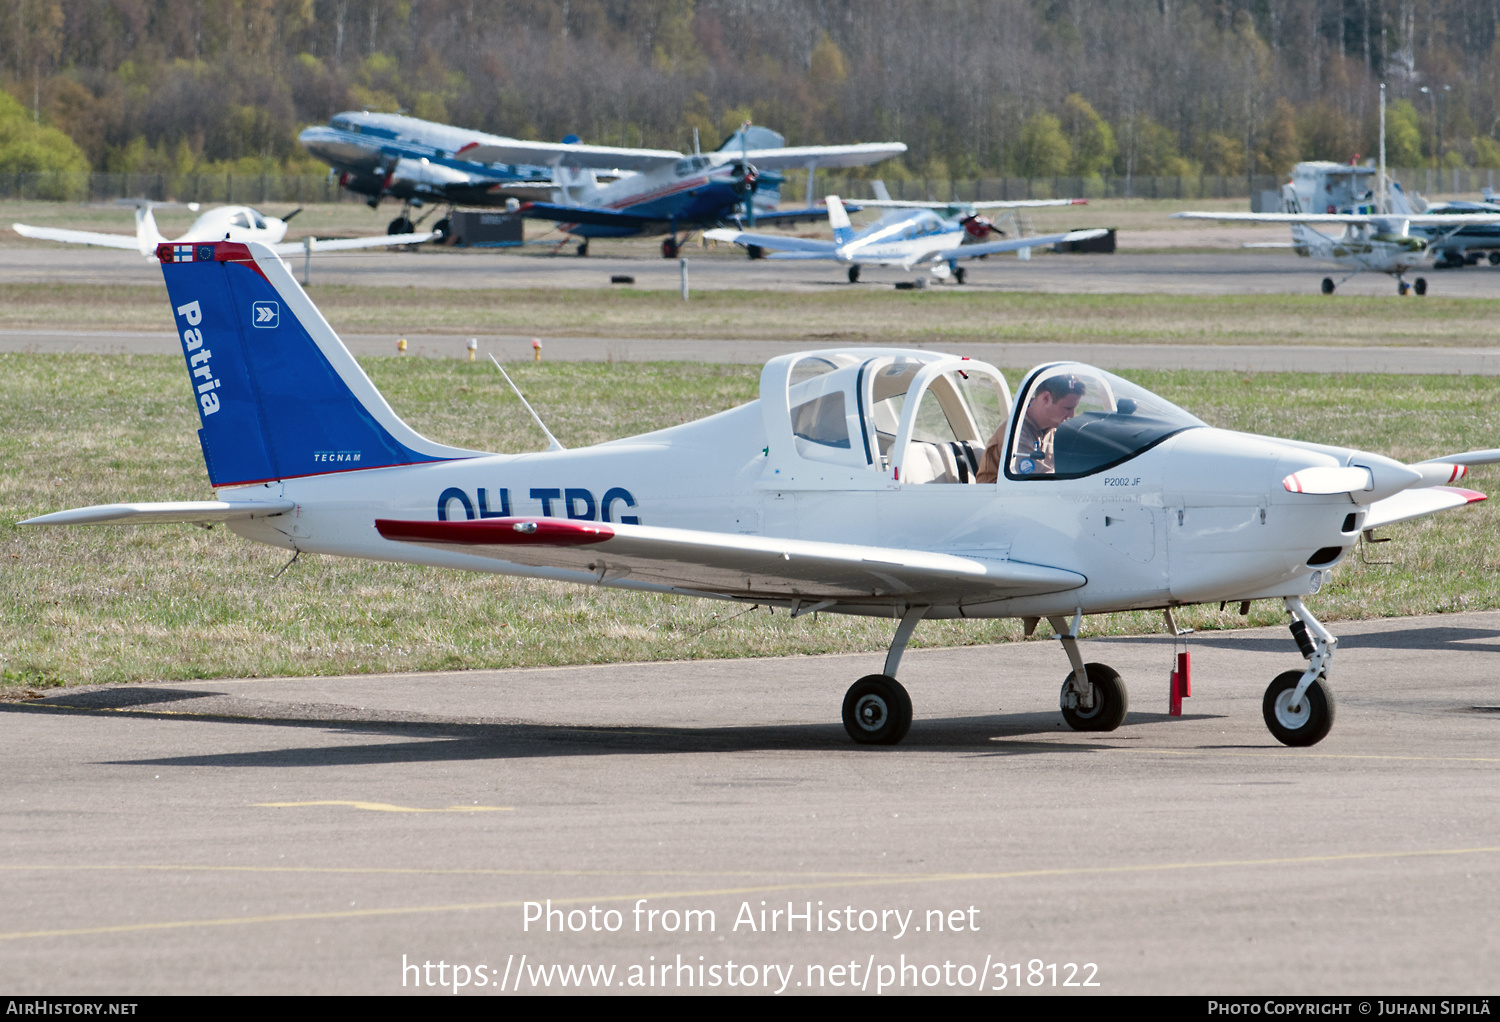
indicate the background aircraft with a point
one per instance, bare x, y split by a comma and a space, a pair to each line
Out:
1382, 243
850, 486
906, 237
417, 162
670, 191
232, 223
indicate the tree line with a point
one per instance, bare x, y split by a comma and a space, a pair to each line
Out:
974, 87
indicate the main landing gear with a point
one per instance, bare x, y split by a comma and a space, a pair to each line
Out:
1419, 286
854, 274
1298, 706
877, 710
1093, 696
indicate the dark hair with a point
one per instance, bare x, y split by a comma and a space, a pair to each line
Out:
1061, 386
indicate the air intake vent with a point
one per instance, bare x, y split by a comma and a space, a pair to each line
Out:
1349, 521
1327, 555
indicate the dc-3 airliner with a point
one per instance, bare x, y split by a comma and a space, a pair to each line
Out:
910, 235
222, 223
873, 481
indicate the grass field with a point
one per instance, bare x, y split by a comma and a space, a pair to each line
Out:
948, 317
136, 603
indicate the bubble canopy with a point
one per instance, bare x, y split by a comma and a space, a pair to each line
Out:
1074, 420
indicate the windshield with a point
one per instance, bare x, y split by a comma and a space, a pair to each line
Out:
1076, 420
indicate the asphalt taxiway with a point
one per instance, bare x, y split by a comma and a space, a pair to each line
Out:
311, 835
1202, 272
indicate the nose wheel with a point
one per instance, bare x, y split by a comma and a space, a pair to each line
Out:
1298, 722
877, 710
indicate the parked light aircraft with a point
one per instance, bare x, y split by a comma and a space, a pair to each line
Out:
222, 223
419, 162
671, 191
1395, 241
852, 485
906, 237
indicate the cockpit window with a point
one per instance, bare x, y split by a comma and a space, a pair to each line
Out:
1076, 420
683, 168
239, 220
822, 421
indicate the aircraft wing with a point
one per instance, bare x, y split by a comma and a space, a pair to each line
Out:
997, 204
732, 564
126, 241
814, 248
1012, 244
345, 244
193, 511
806, 214
595, 157
1343, 218
597, 215
860, 154
1418, 503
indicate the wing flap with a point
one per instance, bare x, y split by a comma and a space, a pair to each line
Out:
731, 564
1418, 503
192, 511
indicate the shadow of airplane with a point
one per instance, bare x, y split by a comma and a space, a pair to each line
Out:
1427, 638
417, 739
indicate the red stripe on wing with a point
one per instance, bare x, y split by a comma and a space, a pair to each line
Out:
498, 532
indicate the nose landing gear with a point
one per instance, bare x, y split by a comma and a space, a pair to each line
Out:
1298, 706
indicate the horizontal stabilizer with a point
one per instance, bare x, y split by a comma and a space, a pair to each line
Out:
815, 248
735, 565
1418, 503
194, 511
347, 244
125, 241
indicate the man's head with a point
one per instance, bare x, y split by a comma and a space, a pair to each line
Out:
1054, 401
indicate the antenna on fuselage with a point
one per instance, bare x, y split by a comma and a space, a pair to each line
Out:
553, 445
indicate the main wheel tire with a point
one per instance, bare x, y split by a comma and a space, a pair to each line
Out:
443, 228
854, 274
960, 275
877, 710
1495, 258
1420, 285
582, 249
669, 249
1328, 285
400, 225
1111, 700
1307, 724
1402, 287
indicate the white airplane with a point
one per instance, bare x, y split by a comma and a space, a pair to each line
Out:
855, 484
1377, 242
240, 224
912, 235
661, 191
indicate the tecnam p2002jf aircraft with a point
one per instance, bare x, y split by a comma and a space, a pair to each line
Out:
855, 484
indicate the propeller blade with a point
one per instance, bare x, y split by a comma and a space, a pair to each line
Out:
1470, 458
293, 213
1329, 480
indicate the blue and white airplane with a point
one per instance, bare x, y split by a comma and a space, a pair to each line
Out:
419, 163
853, 485
667, 192
910, 235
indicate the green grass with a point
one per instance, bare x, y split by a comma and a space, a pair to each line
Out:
936, 317
117, 604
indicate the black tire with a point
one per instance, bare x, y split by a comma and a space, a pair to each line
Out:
443, 227
960, 275
854, 274
1420, 285
1308, 724
669, 249
1328, 285
1495, 258
582, 249
400, 225
1402, 287
877, 710
1111, 700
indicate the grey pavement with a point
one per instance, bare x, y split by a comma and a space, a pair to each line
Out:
310, 835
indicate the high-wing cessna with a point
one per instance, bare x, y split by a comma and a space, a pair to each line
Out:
910, 235
670, 191
855, 484
1378, 242
222, 223
418, 163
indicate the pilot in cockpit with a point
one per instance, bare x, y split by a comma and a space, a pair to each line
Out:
1053, 402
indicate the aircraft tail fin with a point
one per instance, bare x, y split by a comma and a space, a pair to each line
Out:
147, 234
278, 394
1398, 200
881, 191
838, 219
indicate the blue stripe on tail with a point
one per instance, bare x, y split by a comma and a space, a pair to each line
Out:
270, 404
